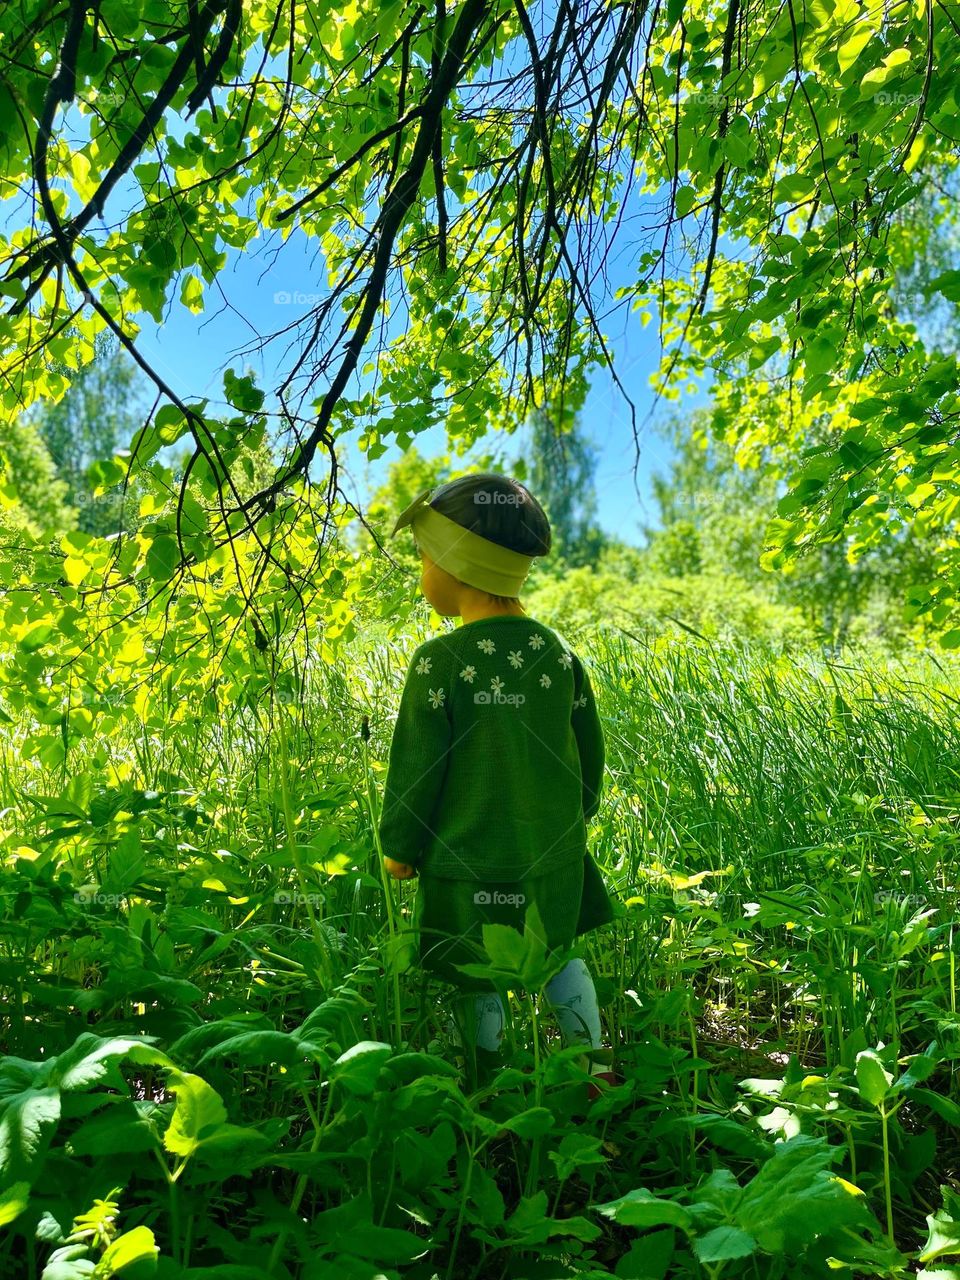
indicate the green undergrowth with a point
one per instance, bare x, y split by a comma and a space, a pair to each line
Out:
222, 1063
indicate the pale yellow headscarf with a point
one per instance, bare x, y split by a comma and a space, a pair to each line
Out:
466, 555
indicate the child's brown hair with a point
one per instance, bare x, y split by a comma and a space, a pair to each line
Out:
499, 509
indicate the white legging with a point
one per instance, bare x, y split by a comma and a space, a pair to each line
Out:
570, 993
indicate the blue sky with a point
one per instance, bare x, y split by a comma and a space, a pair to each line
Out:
191, 351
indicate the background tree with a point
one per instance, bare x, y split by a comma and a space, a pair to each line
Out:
98, 415
713, 518
34, 498
481, 162
561, 466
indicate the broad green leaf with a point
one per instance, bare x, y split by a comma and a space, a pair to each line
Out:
873, 1079
191, 294
533, 1123
123, 1127
641, 1208
861, 34
724, 1243
27, 1125
162, 558
577, 1151
686, 198
948, 283
793, 1198
91, 1060
136, 1245
358, 1068
198, 1114
13, 1201
255, 1048
530, 1224
943, 1235
939, 1104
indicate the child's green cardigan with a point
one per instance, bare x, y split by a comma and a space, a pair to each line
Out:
497, 755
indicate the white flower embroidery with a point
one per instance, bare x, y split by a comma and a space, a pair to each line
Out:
565, 659
487, 646
536, 641
436, 697
580, 702
496, 684
515, 658
545, 680
423, 666
468, 673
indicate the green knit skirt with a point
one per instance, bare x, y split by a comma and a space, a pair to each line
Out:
450, 914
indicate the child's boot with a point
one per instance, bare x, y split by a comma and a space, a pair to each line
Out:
601, 1069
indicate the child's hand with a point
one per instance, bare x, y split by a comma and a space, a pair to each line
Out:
399, 870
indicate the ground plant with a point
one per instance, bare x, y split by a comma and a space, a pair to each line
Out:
220, 1062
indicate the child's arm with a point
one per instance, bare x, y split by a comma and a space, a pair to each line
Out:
589, 734
415, 773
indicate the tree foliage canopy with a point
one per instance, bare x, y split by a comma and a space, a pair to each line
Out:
758, 162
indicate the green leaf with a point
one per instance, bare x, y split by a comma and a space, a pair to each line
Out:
198, 1114
530, 1124
191, 294
256, 1049
26, 1128
793, 1199
359, 1067
137, 1245
123, 1127
530, 1224
486, 1195
948, 284
577, 1151
241, 392
349, 1229
13, 1201
861, 35
162, 558
685, 199
91, 1060
873, 1079
641, 1208
921, 1068
896, 61
170, 423
943, 1235
723, 1243
942, 1106
794, 187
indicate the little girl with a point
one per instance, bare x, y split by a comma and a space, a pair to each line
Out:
496, 761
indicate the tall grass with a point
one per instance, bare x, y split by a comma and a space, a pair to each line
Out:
781, 836
784, 833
